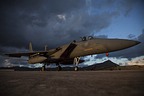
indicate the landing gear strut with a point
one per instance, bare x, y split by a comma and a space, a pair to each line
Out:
43, 67
59, 68
76, 62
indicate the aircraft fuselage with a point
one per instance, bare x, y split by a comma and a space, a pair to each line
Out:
95, 46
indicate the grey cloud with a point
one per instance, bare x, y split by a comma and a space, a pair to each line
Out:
131, 36
37, 21
121, 6
17, 15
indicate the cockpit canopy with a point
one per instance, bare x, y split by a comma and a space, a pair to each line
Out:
86, 38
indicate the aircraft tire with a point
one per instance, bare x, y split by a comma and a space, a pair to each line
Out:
43, 68
76, 68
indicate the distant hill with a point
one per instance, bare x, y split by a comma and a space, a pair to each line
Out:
107, 65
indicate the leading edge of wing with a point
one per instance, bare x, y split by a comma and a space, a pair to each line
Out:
45, 53
25, 54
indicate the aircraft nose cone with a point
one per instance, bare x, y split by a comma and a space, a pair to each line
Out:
137, 42
132, 42
119, 44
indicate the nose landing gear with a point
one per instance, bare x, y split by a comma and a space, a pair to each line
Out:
76, 62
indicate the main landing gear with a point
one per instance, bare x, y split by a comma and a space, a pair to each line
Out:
59, 68
43, 67
76, 62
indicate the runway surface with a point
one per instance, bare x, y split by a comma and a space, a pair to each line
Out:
71, 83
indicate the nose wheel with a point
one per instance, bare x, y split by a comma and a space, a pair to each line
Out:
76, 68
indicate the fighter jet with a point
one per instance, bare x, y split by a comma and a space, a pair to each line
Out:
71, 53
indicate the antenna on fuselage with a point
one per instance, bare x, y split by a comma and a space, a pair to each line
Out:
30, 47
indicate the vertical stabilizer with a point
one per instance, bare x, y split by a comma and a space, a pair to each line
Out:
30, 47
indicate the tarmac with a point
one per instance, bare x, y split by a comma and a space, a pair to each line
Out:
72, 83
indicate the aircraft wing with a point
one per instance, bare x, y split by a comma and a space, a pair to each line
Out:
44, 53
23, 54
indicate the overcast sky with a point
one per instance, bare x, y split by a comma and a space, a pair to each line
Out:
57, 22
